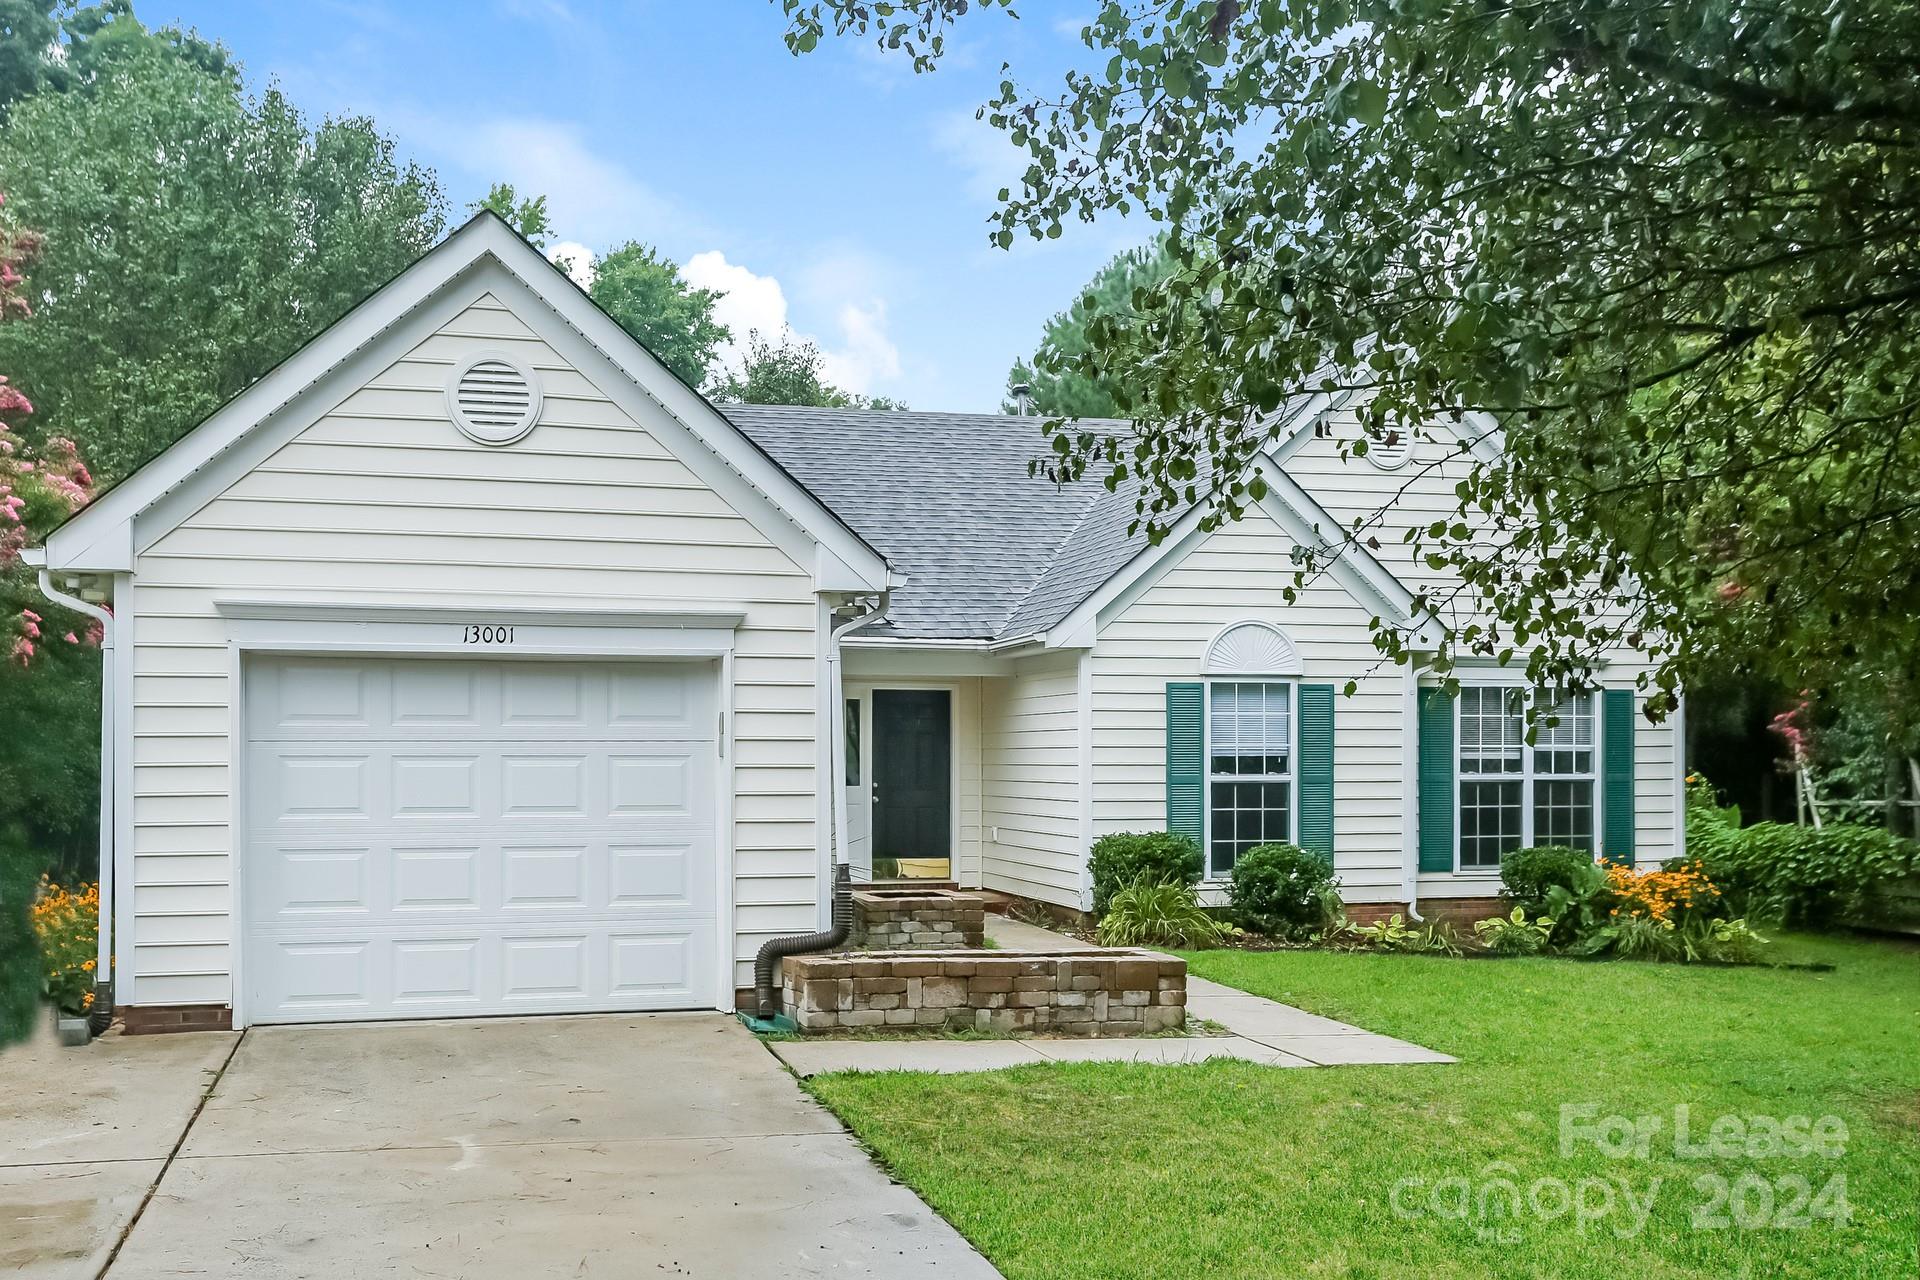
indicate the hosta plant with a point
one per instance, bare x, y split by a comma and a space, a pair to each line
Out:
1514, 935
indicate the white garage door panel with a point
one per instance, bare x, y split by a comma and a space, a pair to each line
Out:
442, 837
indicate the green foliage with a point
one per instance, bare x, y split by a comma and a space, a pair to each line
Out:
1664, 246
90, 37
1057, 386
1127, 857
194, 238
1151, 913
1581, 910
1395, 934
644, 291
528, 217
789, 371
1282, 890
21, 976
1514, 935
1795, 875
50, 756
1527, 874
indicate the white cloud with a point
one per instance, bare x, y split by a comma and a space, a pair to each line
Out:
749, 302
866, 355
575, 259
983, 153
591, 198
859, 356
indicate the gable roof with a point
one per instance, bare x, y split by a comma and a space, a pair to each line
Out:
987, 552
483, 255
947, 498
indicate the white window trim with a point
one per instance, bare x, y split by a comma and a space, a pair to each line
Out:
1526, 778
1291, 777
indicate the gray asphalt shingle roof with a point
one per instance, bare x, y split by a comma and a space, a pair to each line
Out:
988, 552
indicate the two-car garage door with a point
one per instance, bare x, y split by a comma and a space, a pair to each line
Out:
440, 837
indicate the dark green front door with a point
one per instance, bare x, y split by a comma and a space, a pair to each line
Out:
912, 773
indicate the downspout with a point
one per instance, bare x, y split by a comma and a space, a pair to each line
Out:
766, 996
102, 1011
1410, 792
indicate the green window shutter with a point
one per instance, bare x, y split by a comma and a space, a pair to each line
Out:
1437, 805
1186, 765
1316, 769
1616, 806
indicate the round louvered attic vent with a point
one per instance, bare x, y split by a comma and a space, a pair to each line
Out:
1389, 447
493, 399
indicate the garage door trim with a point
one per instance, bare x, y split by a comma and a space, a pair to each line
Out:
268, 628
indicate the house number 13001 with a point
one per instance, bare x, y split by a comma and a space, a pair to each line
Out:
486, 635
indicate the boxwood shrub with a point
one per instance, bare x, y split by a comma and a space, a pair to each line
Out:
1130, 857
1527, 874
1283, 891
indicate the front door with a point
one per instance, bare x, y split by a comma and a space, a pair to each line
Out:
912, 767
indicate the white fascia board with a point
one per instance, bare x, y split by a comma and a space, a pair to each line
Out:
1354, 568
652, 379
483, 256
1294, 511
1299, 428
103, 528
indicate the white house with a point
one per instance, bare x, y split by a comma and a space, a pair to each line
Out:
470, 663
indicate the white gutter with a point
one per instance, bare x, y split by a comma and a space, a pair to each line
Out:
103, 964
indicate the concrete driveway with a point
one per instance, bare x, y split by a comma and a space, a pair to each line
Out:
644, 1145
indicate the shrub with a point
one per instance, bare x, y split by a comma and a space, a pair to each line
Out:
1282, 890
1581, 910
67, 924
21, 980
1527, 874
1150, 914
1514, 935
1129, 857
1794, 875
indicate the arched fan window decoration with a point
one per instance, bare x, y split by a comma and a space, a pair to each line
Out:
1252, 649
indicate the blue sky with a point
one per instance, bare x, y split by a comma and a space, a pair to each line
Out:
839, 186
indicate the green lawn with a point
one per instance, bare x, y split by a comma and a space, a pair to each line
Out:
1226, 1169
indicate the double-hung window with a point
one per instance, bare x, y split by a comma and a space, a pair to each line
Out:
1514, 795
1250, 763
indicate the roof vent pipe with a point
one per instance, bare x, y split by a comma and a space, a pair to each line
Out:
1022, 399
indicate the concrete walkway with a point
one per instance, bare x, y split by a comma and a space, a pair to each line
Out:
1259, 1030
590, 1146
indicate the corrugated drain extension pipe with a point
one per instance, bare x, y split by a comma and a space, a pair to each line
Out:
766, 996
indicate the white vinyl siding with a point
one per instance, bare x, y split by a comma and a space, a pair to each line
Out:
1421, 492
1030, 781
383, 500
1240, 573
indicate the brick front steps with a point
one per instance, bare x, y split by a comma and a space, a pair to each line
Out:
899, 918
1095, 992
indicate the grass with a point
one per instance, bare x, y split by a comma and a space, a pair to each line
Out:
1226, 1169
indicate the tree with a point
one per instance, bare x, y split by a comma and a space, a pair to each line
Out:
1055, 384
644, 291
1667, 249
788, 371
528, 217
49, 663
193, 240
57, 46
